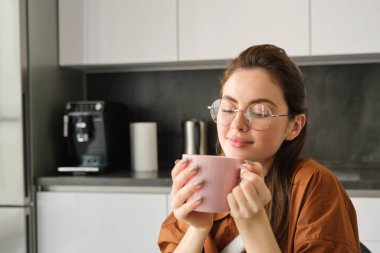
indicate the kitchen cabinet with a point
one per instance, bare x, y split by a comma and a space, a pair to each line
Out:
367, 211
78, 222
220, 29
341, 27
139, 34
102, 32
116, 32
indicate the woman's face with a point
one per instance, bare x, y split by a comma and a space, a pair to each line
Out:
243, 88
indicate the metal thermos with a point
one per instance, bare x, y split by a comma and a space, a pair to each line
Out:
194, 137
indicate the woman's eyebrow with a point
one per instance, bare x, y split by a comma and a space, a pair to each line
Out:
254, 101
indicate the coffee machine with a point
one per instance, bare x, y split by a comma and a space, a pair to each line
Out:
96, 134
194, 136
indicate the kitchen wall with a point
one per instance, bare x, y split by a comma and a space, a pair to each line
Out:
343, 101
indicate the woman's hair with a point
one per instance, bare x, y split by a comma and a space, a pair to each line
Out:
279, 66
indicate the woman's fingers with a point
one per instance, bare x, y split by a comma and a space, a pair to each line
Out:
232, 203
256, 187
243, 199
252, 194
181, 191
253, 172
183, 211
239, 196
253, 198
254, 167
181, 174
179, 166
184, 193
256, 181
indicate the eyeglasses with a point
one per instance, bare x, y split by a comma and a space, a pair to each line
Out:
258, 116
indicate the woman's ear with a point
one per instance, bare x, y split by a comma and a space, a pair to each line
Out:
295, 127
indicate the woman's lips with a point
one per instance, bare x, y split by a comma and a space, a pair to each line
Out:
239, 143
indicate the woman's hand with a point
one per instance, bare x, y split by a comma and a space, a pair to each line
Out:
182, 172
248, 199
247, 202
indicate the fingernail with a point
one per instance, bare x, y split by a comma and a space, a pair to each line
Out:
257, 164
249, 162
199, 182
184, 160
199, 199
193, 168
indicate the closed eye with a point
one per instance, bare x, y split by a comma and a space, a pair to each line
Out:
228, 111
259, 115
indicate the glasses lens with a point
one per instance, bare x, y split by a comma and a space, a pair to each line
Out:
222, 111
258, 116
214, 108
226, 112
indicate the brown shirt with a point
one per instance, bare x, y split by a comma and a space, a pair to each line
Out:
322, 218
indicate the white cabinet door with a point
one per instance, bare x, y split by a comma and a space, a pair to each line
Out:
220, 29
117, 31
72, 48
345, 27
13, 233
367, 211
99, 222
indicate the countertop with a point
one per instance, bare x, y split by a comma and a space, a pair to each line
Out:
351, 179
113, 178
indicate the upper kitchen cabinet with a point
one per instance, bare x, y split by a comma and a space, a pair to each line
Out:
220, 29
340, 27
103, 32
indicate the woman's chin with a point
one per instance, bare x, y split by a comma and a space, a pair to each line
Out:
241, 155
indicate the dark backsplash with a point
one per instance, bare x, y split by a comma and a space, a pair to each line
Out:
343, 101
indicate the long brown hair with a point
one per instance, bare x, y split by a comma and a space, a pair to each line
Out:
276, 62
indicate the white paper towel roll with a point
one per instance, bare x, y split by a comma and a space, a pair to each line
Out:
144, 146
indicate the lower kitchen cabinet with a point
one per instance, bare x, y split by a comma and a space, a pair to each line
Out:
97, 222
367, 211
94, 222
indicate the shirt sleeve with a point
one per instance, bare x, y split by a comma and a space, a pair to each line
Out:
326, 218
171, 234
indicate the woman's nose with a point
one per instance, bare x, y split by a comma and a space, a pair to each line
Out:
239, 122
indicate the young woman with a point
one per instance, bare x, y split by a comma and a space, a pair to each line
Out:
284, 202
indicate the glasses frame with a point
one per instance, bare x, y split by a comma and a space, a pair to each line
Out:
235, 111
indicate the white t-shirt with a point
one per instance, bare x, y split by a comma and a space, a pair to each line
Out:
235, 246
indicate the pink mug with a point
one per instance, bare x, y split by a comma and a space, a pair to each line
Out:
220, 174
